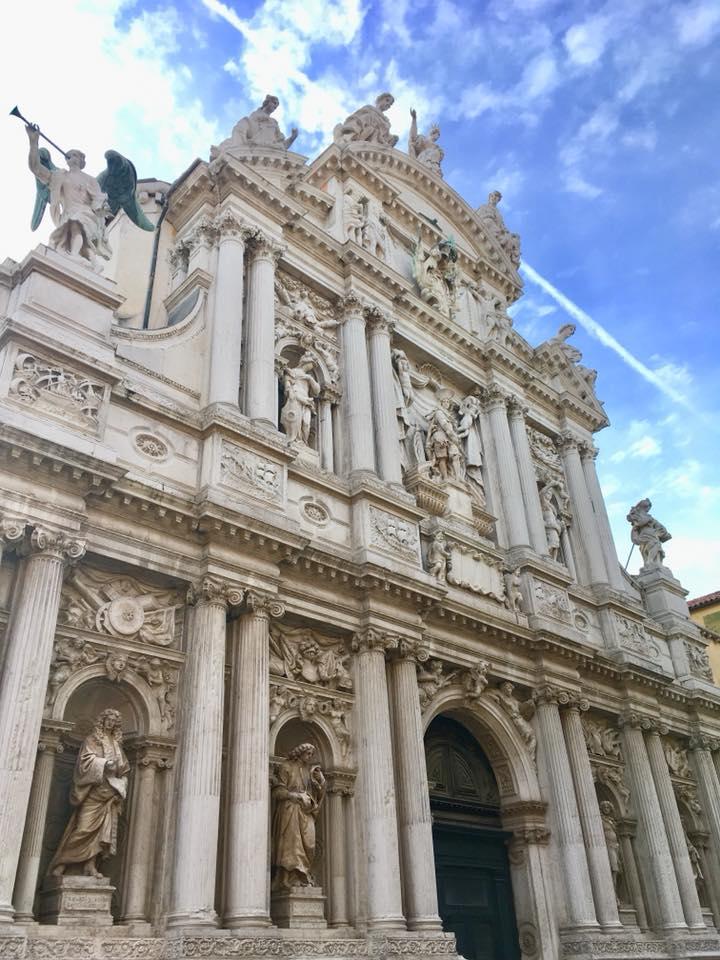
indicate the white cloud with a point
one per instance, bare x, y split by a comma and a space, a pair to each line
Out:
642, 448
586, 42
642, 138
575, 183
698, 23
540, 77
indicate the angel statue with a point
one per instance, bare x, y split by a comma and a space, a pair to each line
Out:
81, 205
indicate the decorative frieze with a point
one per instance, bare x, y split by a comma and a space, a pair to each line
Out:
393, 534
247, 471
308, 706
552, 602
632, 637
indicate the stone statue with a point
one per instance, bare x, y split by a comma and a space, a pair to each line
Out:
98, 791
424, 146
300, 388
353, 216
499, 321
554, 526
505, 697
438, 557
430, 679
298, 794
468, 433
611, 841
259, 129
695, 861
443, 446
572, 354
402, 368
648, 534
436, 274
368, 124
513, 594
493, 221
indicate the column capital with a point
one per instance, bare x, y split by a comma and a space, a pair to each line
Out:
576, 703
264, 604
203, 233
701, 741
54, 543
149, 752
264, 247
635, 720
516, 408
351, 306
655, 728
549, 694
228, 226
568, 441
492, 397
588, 450
12, 529
626, 827
410, 648
374, 639
379, 321
341, 783
215, 590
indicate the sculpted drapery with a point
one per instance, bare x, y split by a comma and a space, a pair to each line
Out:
298, 795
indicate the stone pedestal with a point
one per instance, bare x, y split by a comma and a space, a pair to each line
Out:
299, 908
70, 901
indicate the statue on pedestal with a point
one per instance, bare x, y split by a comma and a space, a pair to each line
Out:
493, 221
438, 557
611, 841
468, 433
443, 446
259, 129
368, 124
298, 794
424, 146
554, 526
648, 534
98, 792
300, 387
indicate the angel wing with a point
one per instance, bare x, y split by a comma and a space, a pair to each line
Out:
119, 182
42, 190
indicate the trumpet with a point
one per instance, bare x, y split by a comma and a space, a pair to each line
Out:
15, 112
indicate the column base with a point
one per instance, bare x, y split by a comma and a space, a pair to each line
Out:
72, 901
386, 923
7, 913
200, 919
247, 921
299, 908
424, 923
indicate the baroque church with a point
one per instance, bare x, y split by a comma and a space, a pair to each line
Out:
314, 639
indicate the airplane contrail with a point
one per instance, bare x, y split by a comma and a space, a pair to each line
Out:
607, 339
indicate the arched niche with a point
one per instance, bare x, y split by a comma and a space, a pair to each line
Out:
290, 350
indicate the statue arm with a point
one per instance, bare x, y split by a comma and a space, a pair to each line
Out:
412, 136
41, 173
289, 141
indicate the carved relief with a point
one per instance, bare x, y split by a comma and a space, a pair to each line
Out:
252, 473
438, 557
315, 512
56, 390
633, 637
601, 739
393, 534
552, 602
151, 446
436, 274
478, 572
698, 661
301, 654
612, 777
308, 706
518, 713
677, 759
303, 305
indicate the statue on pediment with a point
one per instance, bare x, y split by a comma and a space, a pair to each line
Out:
493, 221
572, 354
648, 534
424, 147
435, 273
368, 125
260, 129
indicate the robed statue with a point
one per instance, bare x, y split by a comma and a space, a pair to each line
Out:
648, 534
298, 794
98, 792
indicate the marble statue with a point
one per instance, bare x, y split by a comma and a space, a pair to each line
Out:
353, 216
468, 433
499, 321
554, 525
436, 274
431, 679
298, 794
403, 370
424, 146
505, 697
572, 354
648, 534
438, 557
611, 841
300, 388
374, 231
513, 594
259, 129
695, 861
493, 221
443, 446
368, 124
98, 792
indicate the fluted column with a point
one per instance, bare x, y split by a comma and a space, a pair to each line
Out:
652, 840
709, 792
413, 795
226, 332
579, 902
674, 830
528, 479
141, 848
591, 559
200, 755
590, 819
339, 788
260, 387
325, 429
49, 746
507, 468
626, 832
248, 791
28, 651
588, 455
386, 430
357, 400
376, 788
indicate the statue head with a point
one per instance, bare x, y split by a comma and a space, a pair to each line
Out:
75, 159
307, 361
304, 752
384, 101
270, 104
109, 721
606, 808
566, 331
494, 198
434, 132
506, 688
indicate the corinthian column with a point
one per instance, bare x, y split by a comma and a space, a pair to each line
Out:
386, 431
248, 790
376, 788
588, 455
28, 651
200, 755
226, 330
510, 490
260, 388
651, 839
579, 903
709, 791
339, 788
674, 830
358, 417
12, 531
413, 796
590, 820
528, 480
588, 539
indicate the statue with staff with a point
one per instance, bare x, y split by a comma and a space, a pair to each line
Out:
81, 205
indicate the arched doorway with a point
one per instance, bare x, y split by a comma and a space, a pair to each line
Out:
471, 862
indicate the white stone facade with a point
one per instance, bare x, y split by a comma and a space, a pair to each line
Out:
410, 555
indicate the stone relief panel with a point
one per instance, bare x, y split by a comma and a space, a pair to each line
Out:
632, 637
478, 572
243, 470
52, 388
299, 653
698, 661
550, 601
676, 756
602, 740
394, 535
304, 308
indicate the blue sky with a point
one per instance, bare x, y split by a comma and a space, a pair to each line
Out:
598, 121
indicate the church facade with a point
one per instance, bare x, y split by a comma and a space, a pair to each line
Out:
314, 637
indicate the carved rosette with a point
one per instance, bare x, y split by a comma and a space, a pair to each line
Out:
215, 590
264, 604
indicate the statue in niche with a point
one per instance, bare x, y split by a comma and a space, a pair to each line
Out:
298, 794
607, 815
468, 433
424, 147
300, 389
435, 273
696, 865
98, 792
554, 525
409, 428
505, 697
513, 594
353, 216
438, 557
572, 354
443, 446
648, 534
259, 129
368, 124
493, 221
365, 223
499, 321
